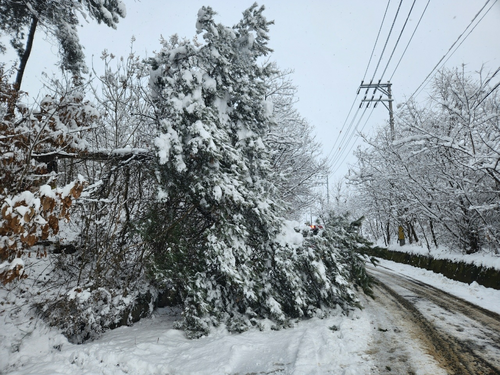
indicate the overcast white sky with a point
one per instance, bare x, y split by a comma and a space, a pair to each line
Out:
327, 43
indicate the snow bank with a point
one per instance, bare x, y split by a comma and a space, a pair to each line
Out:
479, 295
490, 260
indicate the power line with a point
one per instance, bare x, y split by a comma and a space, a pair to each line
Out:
411, 38
378, 86
491, 91
355, 128
354, 100
340, 155
348, 134
465, 38
387, 40
344, 137
351, 130
352, 146
399, 38
351, 133
343, 125
376, 40
456, 41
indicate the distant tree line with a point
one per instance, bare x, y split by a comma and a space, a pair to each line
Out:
438, 176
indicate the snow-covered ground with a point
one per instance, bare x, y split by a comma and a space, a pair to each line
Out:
337, 345
152, 346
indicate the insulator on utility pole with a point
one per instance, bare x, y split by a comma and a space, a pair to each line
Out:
359, 89
385, 89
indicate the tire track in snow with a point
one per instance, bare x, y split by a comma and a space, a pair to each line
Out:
398, 344
441, 318
306, 348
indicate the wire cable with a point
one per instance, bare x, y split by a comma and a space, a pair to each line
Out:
353, 144
343, 125
452, 46
411, 38
387, 40
337, 157
376, 40
465, 38
342, 142
349, 138
397, 41
491, 91
340, 157
354, 101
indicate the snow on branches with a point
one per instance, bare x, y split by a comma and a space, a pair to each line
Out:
197, 220
31, 205
440, 177
213, 232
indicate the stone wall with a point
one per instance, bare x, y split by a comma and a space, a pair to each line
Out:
460, 271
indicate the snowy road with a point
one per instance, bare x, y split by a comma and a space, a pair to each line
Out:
425, 330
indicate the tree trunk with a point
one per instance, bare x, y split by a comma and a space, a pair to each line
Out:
20, 72
413, 232
425, 236
26, 55
434, 239
408, 230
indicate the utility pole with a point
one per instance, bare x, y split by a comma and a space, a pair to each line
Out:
327, 193
385, 89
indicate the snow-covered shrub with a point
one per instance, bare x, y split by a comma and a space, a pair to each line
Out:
105, 252
321, 273
89, 245
84, 314
32, 206
45, 149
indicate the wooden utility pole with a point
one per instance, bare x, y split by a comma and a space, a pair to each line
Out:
327, 193
385, 89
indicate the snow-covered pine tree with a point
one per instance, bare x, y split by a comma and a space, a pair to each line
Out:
20, 19
215, 234
211, 230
